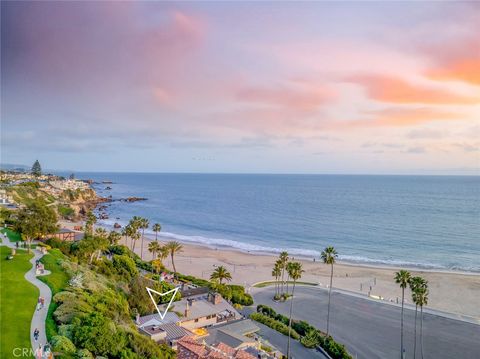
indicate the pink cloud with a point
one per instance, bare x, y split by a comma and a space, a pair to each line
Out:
294, 98
395, 90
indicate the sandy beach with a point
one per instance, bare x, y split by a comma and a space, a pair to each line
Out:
452, 292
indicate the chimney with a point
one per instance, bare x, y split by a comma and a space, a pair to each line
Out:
137, 319
187, 308
215, 298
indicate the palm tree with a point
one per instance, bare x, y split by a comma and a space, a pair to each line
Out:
276, 272
156, 228
135, 237
174, 247
295, 272
329, 256
163, 252
289, 264
283, 262
416, 284
144, 223
89, 223
402, 278
114, 237
221, 273
101, 232
422, 300
154, 248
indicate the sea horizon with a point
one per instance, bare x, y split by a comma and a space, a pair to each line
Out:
205, 209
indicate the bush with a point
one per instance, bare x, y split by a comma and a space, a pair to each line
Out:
124, 266
62, 344
274, 324
83, 354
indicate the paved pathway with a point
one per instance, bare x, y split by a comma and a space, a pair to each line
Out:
39, 316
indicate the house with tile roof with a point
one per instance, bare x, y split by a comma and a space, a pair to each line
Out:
189, 348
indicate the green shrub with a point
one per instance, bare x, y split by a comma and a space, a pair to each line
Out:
65, 211
62, 344
274, 324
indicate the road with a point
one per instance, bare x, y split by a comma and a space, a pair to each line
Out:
371, 329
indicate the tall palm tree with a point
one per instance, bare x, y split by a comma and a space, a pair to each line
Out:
144, 223
416, 284
154, 248
402, 278
289, 264
174, 247
220, 274
114, 237
156, 228
295, 272
283, 262
276, 272
422, 299
135, 237
101, 232
163, 252
329, 256
90, 223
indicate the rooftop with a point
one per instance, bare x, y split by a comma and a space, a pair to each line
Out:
199, 307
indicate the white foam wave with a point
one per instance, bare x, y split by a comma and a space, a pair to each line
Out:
301, 253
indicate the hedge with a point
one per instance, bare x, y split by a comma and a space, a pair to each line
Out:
274, 324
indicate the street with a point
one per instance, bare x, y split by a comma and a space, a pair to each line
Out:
371, 329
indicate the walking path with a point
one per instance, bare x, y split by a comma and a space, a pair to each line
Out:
39, 316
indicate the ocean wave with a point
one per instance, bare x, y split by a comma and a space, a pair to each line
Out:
300, 253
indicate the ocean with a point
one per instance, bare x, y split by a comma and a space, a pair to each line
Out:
432, 222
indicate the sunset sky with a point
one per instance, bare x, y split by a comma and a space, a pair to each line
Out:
242, 87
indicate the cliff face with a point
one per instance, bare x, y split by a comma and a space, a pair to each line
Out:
68, 203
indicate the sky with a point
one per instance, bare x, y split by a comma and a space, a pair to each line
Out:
242, 87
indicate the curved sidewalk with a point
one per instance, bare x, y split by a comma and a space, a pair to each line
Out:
39, 316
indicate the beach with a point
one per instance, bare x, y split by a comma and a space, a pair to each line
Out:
450, 291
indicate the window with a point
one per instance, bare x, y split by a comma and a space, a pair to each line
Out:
196, 320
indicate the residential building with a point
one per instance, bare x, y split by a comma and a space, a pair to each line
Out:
189, 348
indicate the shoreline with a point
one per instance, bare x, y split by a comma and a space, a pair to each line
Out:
450, 291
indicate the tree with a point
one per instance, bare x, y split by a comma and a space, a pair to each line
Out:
156, 228
114, 238
416, 284
276, 272
143, 225
220, 274
89, 223
283, 264
329, 256
174, 247
135, 224
36, 220
101, 232
295, 272
421, 299
402, 278
36, 169
154, 248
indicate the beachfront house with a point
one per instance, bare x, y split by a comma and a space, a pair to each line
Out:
204, 311
166, 330
237, 334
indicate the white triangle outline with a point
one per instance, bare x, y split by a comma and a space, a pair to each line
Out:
150, 291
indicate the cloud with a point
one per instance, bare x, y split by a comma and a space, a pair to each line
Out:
292, 97
425, 133
416, 150
395, 90
467, 70
399, 117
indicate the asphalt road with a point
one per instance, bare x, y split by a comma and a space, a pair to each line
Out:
371, 329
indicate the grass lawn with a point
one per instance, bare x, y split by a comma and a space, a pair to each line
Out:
57, 281
18, 301
266, 284
13, 236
